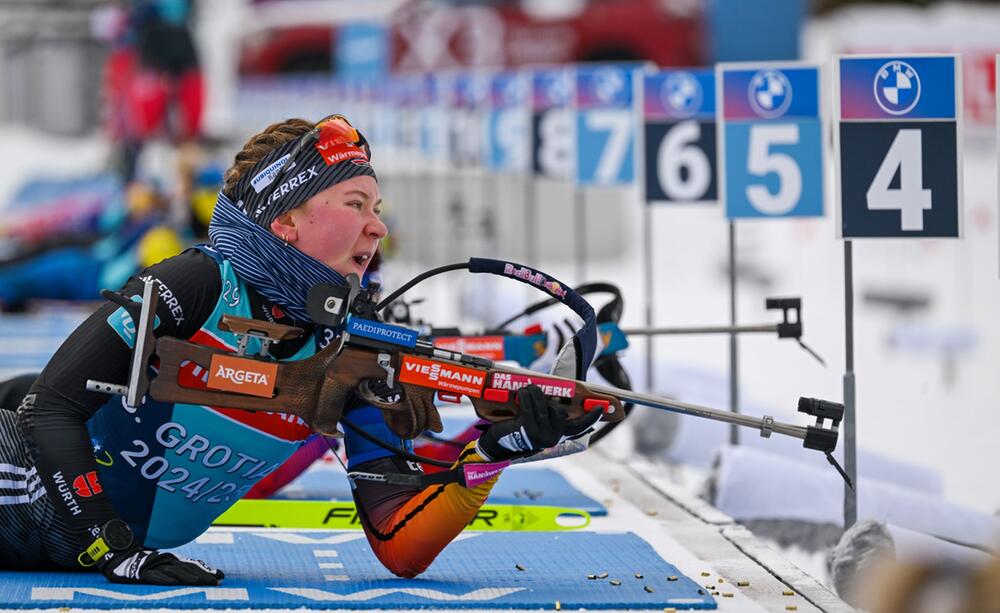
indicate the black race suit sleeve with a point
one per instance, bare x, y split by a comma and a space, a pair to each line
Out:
52, 418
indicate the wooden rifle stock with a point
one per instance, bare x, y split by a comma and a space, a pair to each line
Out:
317, 388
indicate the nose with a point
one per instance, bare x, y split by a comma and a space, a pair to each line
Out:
376, 228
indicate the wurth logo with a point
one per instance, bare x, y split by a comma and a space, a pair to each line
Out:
87, 485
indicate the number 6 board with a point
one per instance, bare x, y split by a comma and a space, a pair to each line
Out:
897, 146
770, 139
679, 136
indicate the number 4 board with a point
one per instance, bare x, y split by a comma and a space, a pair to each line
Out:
897, 143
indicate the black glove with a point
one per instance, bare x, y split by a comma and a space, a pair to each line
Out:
151, 567
540, 424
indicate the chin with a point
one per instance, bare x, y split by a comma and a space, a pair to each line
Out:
347, 269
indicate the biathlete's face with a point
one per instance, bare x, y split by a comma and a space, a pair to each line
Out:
339, 226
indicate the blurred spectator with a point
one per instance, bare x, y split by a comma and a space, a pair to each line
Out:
79, 270
933, 587
885, 569
153, 83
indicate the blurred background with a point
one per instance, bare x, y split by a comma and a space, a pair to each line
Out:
118, 119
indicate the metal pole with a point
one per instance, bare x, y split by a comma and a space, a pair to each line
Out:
850, 400
580, 225
531, 220
647, 256
734, 376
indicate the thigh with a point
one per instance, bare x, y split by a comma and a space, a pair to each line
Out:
32, 537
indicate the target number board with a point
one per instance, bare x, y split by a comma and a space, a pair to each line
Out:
897, 146
770, 139
679, 161
605, 125
553, 130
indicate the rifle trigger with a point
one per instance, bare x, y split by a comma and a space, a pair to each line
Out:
385, 362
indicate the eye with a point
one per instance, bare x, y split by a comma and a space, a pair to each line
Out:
356, 204
378, 210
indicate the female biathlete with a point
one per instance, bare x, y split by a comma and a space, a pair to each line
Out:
89, 482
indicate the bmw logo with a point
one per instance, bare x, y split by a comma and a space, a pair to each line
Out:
897, 87
513, 90
770, 93
559, 88
682, 93
607, 85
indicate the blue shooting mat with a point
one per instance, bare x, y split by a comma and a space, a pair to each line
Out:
28, 341
337, 570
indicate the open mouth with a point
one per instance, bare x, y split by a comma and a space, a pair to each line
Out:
362, 259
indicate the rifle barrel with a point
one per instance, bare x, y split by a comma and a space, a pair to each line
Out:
700, 330
685, 408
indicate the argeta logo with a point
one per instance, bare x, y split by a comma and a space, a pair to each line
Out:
682, 93
333, 305
235, 374
897, 87
87, 485
770, 93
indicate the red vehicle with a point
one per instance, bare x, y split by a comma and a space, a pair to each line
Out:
435, 34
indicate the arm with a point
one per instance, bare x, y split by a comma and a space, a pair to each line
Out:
52, 419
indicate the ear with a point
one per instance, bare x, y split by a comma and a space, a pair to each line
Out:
284, 227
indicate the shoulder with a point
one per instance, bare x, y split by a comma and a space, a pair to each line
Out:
193, 267
190, 285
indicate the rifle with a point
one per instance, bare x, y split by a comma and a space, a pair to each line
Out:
499, 342
385, 364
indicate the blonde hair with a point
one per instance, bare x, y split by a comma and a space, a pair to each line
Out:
259, 145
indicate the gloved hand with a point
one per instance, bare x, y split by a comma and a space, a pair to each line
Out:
540, 424
415, 413
151, 567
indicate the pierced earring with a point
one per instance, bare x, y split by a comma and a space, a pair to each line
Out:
285, 240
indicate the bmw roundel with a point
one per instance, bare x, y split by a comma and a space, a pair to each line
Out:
682, 93
897, 87
514, 91
607, 85
559, 88
770, 93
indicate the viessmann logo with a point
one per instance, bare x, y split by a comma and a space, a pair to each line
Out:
235, 374
442, 376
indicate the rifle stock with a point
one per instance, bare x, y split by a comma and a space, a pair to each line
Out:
317, 388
